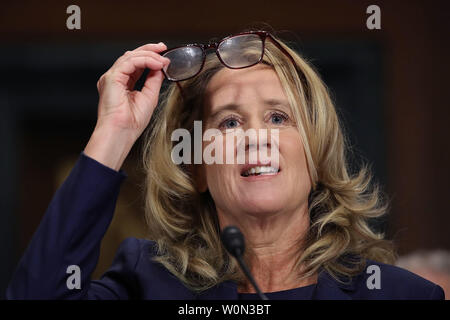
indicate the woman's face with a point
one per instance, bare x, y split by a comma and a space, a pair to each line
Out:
254, 98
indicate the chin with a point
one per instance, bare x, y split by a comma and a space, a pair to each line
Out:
263, 205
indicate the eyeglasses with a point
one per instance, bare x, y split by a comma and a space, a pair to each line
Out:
238, 51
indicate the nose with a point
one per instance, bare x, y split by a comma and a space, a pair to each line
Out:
254, 128
257, 141
258, 133
260, 146
255, 122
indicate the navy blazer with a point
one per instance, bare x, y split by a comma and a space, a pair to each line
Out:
76, 221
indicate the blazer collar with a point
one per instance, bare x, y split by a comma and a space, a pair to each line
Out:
327, 288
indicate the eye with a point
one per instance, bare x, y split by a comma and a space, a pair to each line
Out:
230, 123
278, 118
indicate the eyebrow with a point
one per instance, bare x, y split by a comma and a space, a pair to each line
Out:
234, 106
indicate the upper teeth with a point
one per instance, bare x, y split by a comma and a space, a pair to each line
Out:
260, 170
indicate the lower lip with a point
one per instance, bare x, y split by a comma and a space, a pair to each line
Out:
261, 177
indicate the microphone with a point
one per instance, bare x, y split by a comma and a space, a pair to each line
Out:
233, 240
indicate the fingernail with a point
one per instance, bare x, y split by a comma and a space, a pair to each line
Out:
161, 44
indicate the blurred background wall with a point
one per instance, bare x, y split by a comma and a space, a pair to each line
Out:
390, 88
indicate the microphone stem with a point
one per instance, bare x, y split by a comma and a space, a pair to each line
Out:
244, 268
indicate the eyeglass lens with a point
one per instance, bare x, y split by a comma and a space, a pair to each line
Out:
185, 62
235, 52
241, 51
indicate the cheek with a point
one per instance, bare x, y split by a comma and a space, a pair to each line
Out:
213, 174
218, 174
222, 153
293, 153
221, 185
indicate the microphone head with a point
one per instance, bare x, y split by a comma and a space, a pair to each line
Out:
233, 240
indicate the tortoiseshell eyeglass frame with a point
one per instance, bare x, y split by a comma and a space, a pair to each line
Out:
215, 45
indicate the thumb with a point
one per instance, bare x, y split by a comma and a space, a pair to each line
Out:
153, 84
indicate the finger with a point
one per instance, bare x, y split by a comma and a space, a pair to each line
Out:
156, 47
131, 65
126, 72
138, 73
143, 53
148, 53
134, 78
153, 83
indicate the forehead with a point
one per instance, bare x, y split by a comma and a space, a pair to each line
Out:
259, 82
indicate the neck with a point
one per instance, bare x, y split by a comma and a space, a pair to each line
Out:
273, 244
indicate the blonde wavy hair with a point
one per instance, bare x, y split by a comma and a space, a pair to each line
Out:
184, 224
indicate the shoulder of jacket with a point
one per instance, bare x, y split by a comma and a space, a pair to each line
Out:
139, 245
394, 282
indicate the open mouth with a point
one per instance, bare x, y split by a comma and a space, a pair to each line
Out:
259, 171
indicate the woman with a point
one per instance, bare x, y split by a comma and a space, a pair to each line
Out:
303, 215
